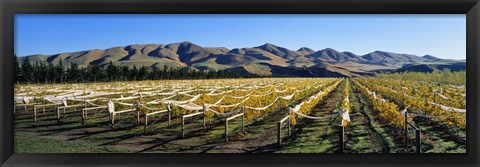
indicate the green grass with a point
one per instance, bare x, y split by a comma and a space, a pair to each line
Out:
27, 142
321, 136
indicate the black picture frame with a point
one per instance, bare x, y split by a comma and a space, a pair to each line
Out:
9, 8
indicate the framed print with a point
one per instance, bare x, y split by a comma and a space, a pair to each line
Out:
276, 83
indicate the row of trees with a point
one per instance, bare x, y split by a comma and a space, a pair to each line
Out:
43, 72
446, 76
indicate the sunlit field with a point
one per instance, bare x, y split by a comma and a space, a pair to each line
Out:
384, 114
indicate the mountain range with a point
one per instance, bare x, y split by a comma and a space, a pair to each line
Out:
267, 59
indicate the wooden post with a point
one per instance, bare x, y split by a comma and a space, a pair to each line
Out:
342, 138
138, 117
279, 133
183, 127
113, 119
204, 117
406, 129
146, 124
169, 113
43, 110
289, 121
418, 140
58, 115
34, 114
83, 118
26, 109
169, 117
95, 112
243, 119
226, 130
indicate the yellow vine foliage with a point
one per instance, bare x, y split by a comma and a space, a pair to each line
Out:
415, 103
388, 111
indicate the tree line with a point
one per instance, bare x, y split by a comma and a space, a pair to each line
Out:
445, 76
46, 73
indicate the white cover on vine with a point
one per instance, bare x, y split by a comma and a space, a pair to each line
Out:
125, 98
295, 110
64, 100
442, 96
212, 94
231, 105
228, 113
345, 114
182, 102
287, 97
189, 106
95, 105
157, 101
263, 108
125, 104
111, 107
240, 97
25, 100
218, 102
260, 95
281, 91
308, 87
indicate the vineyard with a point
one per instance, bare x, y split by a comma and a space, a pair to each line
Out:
282, 115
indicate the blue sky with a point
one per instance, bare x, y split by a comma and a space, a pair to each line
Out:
443, 36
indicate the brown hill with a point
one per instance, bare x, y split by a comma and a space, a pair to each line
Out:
267, 59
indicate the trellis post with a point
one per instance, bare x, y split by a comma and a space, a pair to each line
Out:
289, 120
169, 113
83, 117
279, 133
406, 128
204, 116
34, 114
113, 119
226, 130
146, 124
138, 112
183, 127
342, 137
418, 140
243, 119
58, 115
